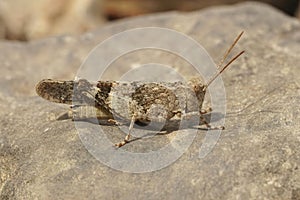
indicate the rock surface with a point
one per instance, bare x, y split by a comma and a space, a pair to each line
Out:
257, 156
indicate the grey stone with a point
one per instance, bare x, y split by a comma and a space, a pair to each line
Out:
256, 157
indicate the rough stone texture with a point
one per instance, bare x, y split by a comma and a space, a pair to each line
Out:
256, 157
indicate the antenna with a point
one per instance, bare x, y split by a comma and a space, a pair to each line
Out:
219, 71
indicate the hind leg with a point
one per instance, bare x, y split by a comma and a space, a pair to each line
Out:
127, 137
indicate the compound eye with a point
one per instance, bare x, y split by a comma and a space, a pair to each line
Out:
196, 87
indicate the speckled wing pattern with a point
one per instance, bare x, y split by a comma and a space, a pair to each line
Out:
145, 100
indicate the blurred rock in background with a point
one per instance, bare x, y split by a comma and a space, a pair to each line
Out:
298, 11
31, 19
123, 8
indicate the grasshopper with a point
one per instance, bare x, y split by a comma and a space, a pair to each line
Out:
135, 101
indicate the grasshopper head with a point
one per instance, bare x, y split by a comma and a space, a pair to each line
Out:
198, 88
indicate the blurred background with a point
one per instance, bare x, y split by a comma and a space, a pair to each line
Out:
32, 19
